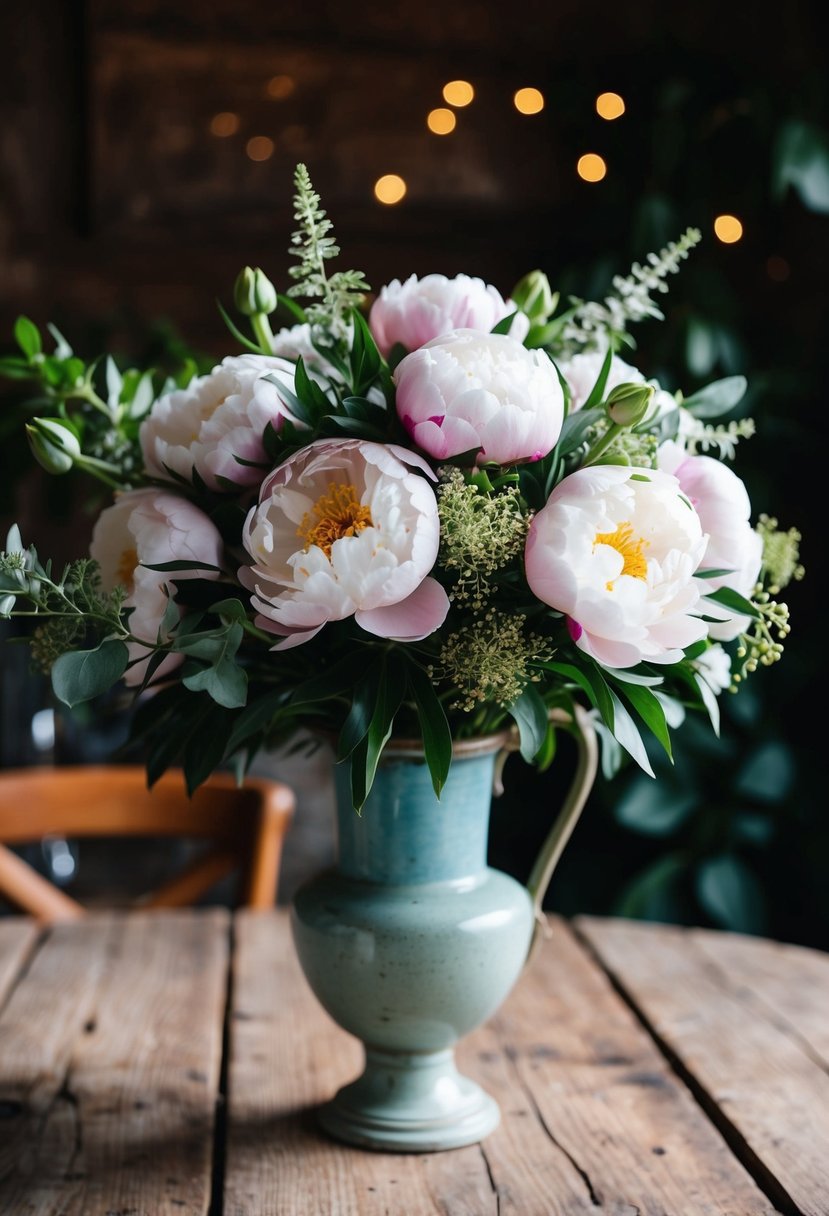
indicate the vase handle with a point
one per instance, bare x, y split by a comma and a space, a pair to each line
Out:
568, 816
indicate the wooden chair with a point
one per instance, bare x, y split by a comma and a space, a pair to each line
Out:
246, 827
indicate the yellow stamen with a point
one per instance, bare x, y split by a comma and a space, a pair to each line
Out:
337, 514
630, 547
125, 571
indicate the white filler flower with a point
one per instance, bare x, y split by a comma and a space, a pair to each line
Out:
217, 418
346, 528
615, 549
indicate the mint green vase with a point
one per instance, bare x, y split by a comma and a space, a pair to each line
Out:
412, 940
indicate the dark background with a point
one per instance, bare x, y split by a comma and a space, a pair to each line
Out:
123, 217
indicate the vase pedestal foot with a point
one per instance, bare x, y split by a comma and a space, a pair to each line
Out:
407, 1102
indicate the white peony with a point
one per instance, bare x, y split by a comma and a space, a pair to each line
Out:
220, 416
415, 312
149, 528
582, 371
615, 549
296, 342
470, 391
345, 528
722, 503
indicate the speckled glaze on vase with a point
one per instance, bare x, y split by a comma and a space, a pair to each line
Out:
412, 941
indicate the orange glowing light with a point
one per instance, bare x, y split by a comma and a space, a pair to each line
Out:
224, 124
441, 121
728, 229
260, 147
389, 189
591, 167
458, 93
529, 101
610, 106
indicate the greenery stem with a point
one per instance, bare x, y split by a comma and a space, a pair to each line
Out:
261, 327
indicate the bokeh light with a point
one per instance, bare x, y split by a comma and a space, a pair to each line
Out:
458, 93
441, 121
259, 147
728, 229
389, 189
224, 124
529, 101
777, 268
591, 167
280, 87
610, 106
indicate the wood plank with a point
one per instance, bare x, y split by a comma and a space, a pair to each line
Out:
791, 981
592, 1115
17, 939
737, 1035
109, 1067
606, 1101
286, 1056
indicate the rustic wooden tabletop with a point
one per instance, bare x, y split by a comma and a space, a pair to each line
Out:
167, 1064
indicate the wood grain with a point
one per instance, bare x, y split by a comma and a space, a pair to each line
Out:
740, 1018
286, 1056
17, 939
592, 1116
109, 1068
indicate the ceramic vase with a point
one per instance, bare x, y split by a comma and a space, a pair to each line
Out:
412, 940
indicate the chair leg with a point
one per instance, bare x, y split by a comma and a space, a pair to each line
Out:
30, 892
263, 868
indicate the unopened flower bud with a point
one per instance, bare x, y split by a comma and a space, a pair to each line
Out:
254, 293
629, 403
54, 444
534, 296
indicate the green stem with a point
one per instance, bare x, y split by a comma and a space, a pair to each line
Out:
602, 444
261, 327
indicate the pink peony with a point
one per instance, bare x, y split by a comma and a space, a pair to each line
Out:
415, 312
470, 391
151, 527
345, 528
220, 416
722, 503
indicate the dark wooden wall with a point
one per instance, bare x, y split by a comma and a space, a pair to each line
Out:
119, 205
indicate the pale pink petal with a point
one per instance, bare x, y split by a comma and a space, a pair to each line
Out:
411, 619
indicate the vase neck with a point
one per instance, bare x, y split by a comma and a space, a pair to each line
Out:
405, 834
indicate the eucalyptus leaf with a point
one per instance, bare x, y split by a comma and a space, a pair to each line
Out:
81, 675
653, 808
717, 398
531, 717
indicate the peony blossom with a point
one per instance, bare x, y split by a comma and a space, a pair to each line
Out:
346, 528
204, 427
148, 528
722, 503
294, 342
469, 391
615, 549
413, 313
582, 371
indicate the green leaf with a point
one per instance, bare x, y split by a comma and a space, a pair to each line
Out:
83, 674
296, 313
653, 808
530, 714
769, 773
597, 392
626, 732
651, 713
717, 398
27, 336
256, 717
653, 893
729, 598
182, 565
434, 728
205, 749
709, 574
801, 160
340, 677
505, 324
366, 756
591, 681
237, 333
358, 720
575, 428
731, 894
225, 682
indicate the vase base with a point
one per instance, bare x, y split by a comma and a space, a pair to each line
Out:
410, 1103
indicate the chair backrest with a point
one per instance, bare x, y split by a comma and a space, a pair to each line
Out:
245, 825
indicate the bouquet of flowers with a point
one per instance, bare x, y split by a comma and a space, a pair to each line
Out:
452, 514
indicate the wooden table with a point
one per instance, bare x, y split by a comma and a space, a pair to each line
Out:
167, 1064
